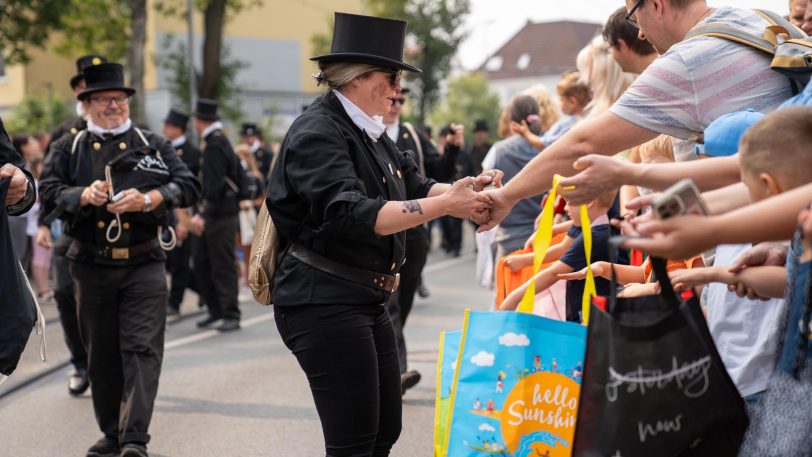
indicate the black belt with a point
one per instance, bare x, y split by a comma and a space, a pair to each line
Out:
114, 253
384, 282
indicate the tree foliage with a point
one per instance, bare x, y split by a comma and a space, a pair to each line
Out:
37, 114
435, 32
95, 26
27, 22
468, 99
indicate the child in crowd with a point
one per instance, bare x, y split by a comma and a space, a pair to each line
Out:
574, 259
574, 96
774, 158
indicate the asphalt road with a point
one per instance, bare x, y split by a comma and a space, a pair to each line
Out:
237, 394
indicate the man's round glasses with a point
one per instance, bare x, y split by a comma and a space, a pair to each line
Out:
107, 101
634, 9
398, 101
394, 75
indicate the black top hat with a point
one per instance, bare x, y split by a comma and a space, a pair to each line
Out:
104, 76
480, 125
404, 90
177, 119
82, 63
206, 109
249, 129
368, 39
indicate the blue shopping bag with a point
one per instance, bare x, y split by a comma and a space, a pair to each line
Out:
516, 386
446, 366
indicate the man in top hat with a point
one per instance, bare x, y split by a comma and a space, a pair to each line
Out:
115, 217
481, 145
64, 295
432, 165
178, 262
217, 221
252, 136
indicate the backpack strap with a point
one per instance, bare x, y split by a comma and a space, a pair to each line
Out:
419, 146
732, 33
776, 19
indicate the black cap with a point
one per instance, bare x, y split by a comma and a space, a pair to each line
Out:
82, 63
249, 129
177, 119
481, 125
206, 109
368, 39
104, 76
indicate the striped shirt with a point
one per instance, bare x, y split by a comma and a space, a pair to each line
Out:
700, 79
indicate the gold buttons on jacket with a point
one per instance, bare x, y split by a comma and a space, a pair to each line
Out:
100, 225
394, 265
405, 136
400, 175
73, 131
126, 226
122, 146
179, 152
383, 178
97, 146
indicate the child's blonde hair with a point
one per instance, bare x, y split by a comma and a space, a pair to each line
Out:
571, 85
658, 150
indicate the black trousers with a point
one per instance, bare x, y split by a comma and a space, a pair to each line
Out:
178, 263
349, 356
452, 233
122, 314
216, 267
66, 303
400, 303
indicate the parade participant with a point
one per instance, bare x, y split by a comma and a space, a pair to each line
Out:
178, 262
63, 282
252, 136
432, 165
112, 185
638, 116
481, 145
217, 221
21, 194
342, 197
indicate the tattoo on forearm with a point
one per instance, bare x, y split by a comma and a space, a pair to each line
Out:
412, 206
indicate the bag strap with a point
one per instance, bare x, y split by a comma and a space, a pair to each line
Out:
660, 267
776, 19
419, 146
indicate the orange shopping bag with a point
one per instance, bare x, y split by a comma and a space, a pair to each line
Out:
508, 280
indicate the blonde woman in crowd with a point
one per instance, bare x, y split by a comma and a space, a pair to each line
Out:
603, 75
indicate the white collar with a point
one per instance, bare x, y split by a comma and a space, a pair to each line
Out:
255, 146
392, 131
214, 126
179, 141
372, 126
100, 132
80, 110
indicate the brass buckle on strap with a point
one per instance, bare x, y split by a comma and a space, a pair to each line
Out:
120, 253
396, 283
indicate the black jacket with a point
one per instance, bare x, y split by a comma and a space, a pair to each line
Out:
70, 127
10, 155
329, 184
264, 157
223, 178
190, 155
71, 169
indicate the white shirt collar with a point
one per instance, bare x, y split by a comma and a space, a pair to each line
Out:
99, 131
392, 131
179, 141
255, 146
80, 110
372, 126
214, 126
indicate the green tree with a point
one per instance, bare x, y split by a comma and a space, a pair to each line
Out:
468, 99
435, 27
37, 114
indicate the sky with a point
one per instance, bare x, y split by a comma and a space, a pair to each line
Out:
493, 22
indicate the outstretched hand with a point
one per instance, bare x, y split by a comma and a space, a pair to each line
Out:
463, 202
500, 208
680, 237
598, 175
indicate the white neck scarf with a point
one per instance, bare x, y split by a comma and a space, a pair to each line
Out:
392, 131
372, 126
214, 126
255, 146
179, 141
100, 132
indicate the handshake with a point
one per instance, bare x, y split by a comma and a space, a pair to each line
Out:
473, 198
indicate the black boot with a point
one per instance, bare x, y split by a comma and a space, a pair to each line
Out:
78, 382
105, 447
134, 450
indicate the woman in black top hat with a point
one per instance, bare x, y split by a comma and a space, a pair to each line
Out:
341, 195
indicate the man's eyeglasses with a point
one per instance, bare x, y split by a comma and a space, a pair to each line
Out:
120, 100
398, 101
634, 9
394, 75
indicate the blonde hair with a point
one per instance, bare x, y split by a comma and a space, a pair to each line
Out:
603, 75
778, 145
570, 85
658, 150
337, 74
548, 109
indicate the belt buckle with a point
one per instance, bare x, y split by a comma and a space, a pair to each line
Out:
120, 253
396, 284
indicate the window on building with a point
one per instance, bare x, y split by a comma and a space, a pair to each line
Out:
523, 62
494, 63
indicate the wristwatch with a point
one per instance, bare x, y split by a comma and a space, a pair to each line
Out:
147, 203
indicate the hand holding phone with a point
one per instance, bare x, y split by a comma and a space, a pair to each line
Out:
679, 199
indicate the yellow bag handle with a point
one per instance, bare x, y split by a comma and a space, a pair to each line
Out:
541, 244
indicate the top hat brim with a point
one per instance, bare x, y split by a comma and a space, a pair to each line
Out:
101, 88
74, 81
206, 116
365, 58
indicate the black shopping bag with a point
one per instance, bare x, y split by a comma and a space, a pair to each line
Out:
653, 382
18, 308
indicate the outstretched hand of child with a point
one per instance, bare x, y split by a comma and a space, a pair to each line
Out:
518, 262
598, 269
639, 290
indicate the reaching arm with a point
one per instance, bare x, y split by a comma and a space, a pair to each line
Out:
543, 280
624, 274
764, 281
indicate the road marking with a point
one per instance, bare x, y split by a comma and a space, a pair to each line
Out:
448, 263
210, 333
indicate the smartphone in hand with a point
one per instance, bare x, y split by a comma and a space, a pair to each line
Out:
681, 198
